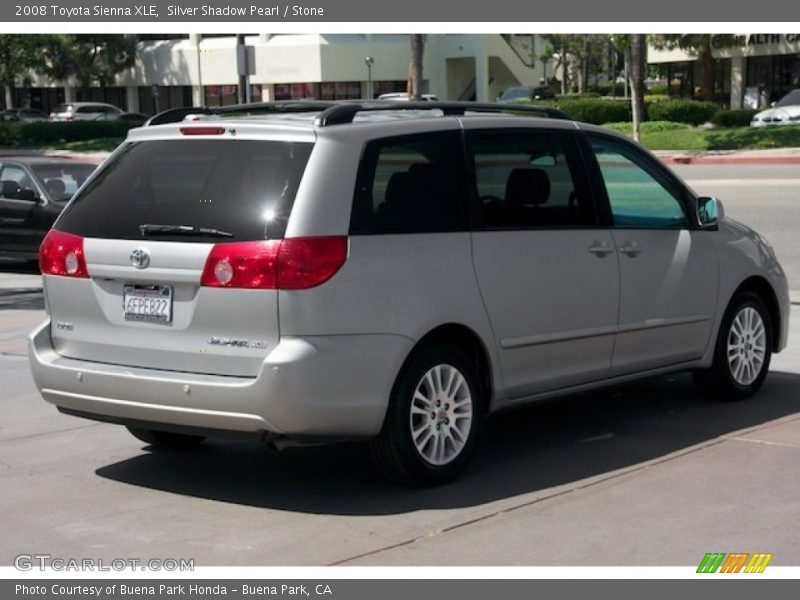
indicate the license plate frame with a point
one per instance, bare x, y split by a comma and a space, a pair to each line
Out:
151, 303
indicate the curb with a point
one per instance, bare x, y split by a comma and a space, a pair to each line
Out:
730, 160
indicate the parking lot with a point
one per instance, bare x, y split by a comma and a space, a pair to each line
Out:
642, 474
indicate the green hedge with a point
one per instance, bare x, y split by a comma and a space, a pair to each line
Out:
682, 111
592, 110
658, 89
734, 118
32, 134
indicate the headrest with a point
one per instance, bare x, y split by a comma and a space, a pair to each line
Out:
56, 188
527, 186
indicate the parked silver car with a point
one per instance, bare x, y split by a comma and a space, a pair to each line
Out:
85, 111
345, 273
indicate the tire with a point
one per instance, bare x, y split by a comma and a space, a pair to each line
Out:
166, 439
439, 384
742, 352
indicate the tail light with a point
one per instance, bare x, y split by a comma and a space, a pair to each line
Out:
290, 264
62, 254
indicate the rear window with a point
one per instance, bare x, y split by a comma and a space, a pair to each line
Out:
62, 108
242, 187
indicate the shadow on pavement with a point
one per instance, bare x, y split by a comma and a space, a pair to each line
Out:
537, 448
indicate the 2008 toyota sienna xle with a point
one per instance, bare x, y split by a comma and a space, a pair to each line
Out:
305, 272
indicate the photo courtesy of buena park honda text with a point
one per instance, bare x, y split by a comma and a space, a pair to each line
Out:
346, 299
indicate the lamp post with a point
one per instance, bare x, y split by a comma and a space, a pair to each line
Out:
369, 61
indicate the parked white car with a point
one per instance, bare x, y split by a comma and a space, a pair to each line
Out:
404, 97
785, 112
85, 111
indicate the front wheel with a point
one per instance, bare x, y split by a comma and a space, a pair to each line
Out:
432, 420
742, 352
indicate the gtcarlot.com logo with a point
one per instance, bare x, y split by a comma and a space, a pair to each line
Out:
735, 562
29, 562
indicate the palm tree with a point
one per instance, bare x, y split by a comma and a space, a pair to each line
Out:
414, 86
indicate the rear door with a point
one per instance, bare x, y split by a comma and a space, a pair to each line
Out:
546, 267
668, 268
143, 304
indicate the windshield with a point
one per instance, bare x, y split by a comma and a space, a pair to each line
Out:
60, 180
790, 99
244, 187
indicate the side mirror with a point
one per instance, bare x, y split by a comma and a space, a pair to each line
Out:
772, 104
709, 212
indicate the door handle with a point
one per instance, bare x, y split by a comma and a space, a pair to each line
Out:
600, 249
630, 248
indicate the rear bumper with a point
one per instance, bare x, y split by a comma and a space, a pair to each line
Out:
312, 387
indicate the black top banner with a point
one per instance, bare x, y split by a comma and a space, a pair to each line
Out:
328, 11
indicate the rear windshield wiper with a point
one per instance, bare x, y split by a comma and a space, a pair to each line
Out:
150, 229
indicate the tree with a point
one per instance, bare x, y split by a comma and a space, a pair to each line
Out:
90, 58
701, 46
414, 86
636, 58
18, 55
578, 56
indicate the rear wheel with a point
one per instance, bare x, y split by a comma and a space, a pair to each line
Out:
432, 420
742, 352
166, 439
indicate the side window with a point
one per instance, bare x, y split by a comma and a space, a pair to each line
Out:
410, 184
530, 179
14, 181
640, 196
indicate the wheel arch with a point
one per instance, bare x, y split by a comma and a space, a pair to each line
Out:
470, 342
760, 286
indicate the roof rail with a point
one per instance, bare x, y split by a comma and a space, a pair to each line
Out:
344, 111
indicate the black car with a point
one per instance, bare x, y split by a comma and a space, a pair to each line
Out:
33, 191
515, 94
28, 115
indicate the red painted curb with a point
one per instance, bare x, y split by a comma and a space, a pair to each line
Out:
730, 160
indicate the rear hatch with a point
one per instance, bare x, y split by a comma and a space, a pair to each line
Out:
169, 254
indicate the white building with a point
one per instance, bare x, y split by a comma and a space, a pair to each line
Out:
753, 71
202, 70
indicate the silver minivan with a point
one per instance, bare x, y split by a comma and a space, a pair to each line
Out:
307, 272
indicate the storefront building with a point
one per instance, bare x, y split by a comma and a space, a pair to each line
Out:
750, 71
194, 70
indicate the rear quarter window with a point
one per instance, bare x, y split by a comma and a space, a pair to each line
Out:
411, 184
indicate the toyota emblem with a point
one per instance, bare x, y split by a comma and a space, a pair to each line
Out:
140, 258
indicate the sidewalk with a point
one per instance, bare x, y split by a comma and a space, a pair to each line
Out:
777, 156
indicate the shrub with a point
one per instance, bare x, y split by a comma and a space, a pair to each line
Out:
682, 111
592, 110
43, 134
658, 89
605, 89
734, 118
651, 98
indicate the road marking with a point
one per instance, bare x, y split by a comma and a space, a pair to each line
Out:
745, 182
766, 442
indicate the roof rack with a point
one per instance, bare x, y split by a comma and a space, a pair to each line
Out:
344, 111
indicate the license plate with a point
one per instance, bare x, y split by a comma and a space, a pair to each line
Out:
147, 303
